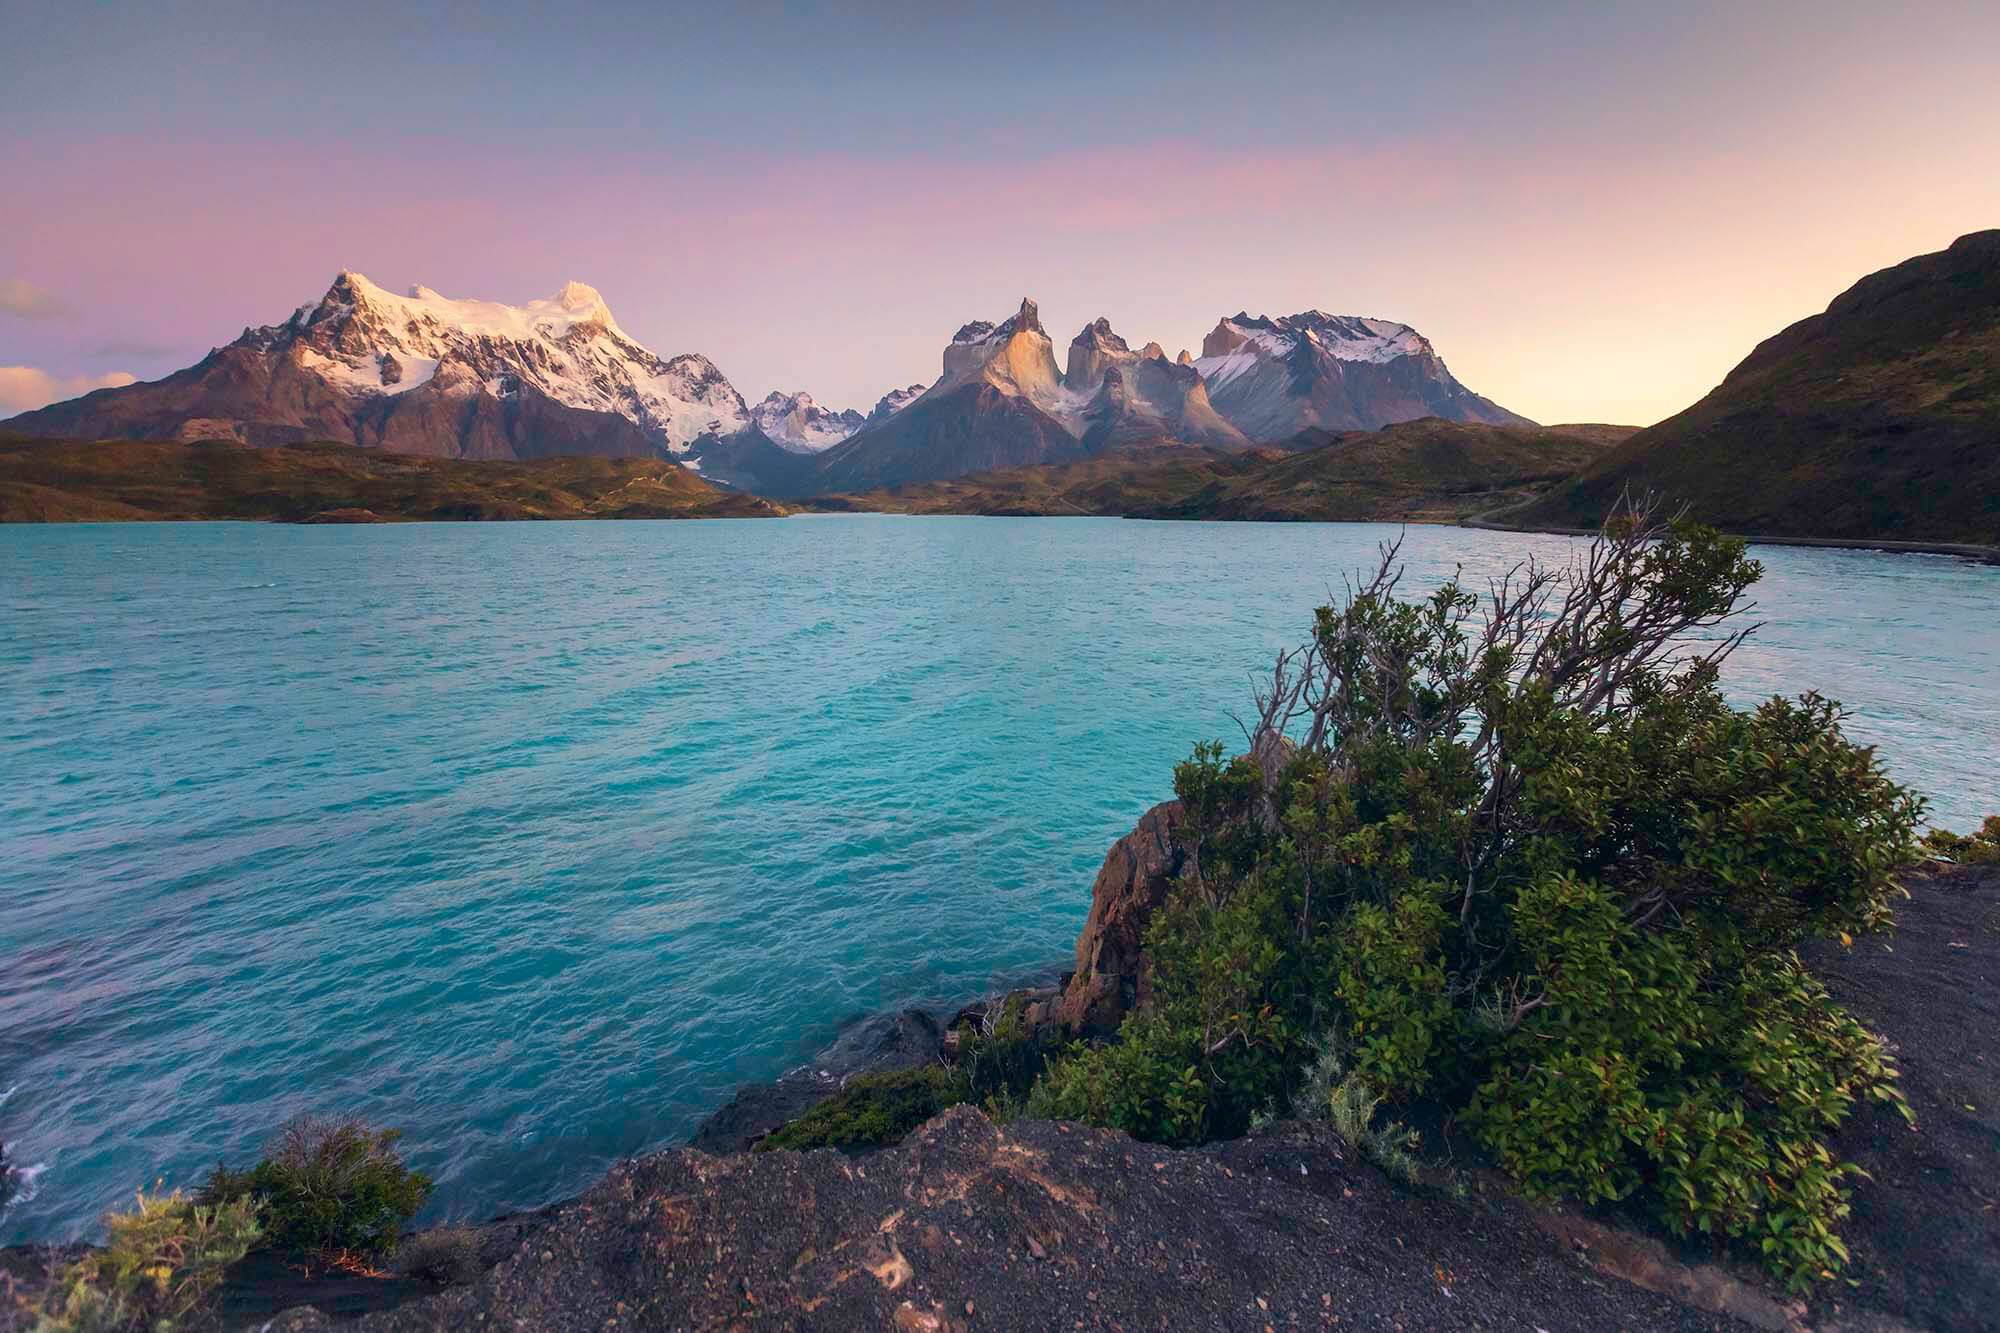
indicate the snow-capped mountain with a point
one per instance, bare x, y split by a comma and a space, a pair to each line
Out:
423, 373
894, 401
794, 421
1272, 378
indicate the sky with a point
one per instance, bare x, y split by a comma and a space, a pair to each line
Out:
1592, 210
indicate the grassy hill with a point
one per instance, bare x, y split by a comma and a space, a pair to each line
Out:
1422, 471
56, 481
1878, 419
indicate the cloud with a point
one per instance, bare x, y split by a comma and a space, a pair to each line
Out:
29, 301
24, 388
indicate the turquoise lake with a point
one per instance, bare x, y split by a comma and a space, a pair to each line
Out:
535, 840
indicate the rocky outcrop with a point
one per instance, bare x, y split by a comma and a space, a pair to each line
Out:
969, 1225
1132, 884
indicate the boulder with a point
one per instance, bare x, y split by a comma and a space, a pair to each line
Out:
1134, 881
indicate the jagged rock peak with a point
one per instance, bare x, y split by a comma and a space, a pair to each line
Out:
796, 422
895, 401
1153, 352
1184, 359
1098, 333
1028, 319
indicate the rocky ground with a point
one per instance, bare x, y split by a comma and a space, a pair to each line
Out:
1033, 1225
1925, 1233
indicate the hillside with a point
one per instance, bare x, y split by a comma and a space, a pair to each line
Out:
1424, 471
1879, 418
56, 481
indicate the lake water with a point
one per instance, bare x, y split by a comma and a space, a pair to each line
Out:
537, 839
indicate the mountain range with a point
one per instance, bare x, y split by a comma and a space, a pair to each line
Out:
1877, 419
426, 374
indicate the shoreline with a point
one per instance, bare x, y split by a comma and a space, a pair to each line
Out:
1490, 521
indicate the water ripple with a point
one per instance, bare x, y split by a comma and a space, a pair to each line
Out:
536, 839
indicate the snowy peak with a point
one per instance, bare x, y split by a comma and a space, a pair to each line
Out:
365, 340
1275, 377
794, 421
894, 401
1344, 337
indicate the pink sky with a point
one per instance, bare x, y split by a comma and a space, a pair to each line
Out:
1606, 267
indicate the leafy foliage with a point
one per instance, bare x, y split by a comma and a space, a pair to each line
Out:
157, 1269
328, 1186
997, 1063
1347, 1100
871, 1110
1516, 857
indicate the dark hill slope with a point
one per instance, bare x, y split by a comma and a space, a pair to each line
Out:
1426, 471
1878, 419
53, 481
1421, 471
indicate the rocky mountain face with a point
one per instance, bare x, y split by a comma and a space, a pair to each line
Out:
999, 403
1272, 378
895, 401
1136, 397
1002, 403
425, 374
1878, 419
794, 421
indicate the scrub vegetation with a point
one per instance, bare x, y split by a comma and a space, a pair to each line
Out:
332, 1187
159, 1264
1514, 859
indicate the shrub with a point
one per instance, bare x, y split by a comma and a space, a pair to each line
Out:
1967, 849
1347, 1101
447, 1254
871, 1110
1519, 857
157, 1269
329, 1186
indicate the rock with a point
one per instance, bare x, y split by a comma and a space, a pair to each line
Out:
906, 1040
1133, 882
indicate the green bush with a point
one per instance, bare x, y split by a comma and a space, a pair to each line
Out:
1517, 857
329, 1186
1967, 849
871, 1110
1347, 1100
158, 1267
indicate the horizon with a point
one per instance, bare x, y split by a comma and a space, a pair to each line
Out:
1592, 217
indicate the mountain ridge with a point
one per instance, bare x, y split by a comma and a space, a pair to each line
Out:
424, 373
1877, 418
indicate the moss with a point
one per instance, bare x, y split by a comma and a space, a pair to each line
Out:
872, 1110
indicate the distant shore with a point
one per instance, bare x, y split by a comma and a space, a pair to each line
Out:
1490, 521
